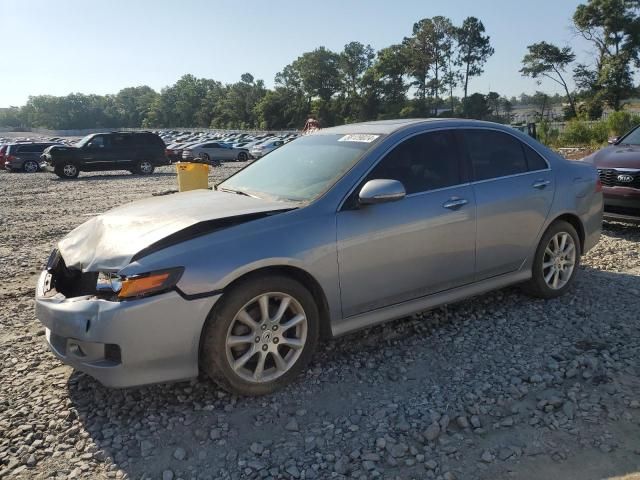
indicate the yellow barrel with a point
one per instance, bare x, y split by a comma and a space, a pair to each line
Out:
192, 176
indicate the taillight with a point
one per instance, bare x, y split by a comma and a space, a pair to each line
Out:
598, 185
10, 158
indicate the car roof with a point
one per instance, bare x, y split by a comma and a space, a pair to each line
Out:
386, 127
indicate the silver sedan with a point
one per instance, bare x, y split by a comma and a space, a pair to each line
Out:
215, 152
340, 230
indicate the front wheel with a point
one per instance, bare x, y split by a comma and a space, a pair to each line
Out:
242, 157
556, 261
261, 335
144, 167
67, 170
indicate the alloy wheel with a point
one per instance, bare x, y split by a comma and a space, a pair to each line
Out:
69, 170
146, 167
266, 337
559, 260
30, 167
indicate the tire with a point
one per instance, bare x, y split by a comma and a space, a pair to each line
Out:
242, 157
67, 170
30, 166
263, 339
550, 262
144, 167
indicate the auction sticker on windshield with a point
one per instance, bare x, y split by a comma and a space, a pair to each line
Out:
359, 137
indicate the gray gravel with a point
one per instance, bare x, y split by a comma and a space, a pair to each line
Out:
500, 386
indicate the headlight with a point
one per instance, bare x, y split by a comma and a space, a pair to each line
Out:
141, 285
149, 283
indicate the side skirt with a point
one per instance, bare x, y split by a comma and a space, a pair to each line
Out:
393, 312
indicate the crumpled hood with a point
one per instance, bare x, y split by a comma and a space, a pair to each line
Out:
109, 241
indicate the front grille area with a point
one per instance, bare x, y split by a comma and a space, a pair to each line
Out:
609, 178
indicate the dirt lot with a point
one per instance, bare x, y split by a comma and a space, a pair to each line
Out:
497, 387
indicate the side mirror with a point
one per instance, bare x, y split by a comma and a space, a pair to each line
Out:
612, 140
381, 191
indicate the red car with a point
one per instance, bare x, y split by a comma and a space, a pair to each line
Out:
619, 169
3, 150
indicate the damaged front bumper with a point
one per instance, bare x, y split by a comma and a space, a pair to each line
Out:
125, 343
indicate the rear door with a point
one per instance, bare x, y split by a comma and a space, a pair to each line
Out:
513, 188
123, 151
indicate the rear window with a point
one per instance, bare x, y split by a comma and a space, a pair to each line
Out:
32, 148
534, 160
494, 154
148, 139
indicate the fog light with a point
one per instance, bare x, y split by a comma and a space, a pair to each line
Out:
75, 349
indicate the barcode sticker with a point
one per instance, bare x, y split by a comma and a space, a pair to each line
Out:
359, 137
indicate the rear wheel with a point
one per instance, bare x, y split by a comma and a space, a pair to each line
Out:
556, 261
67, 170
144, 167
30, 166
261, 335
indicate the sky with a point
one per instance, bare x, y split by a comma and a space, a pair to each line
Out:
57, 47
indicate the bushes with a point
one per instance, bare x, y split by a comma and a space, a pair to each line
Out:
620, 123
595, 134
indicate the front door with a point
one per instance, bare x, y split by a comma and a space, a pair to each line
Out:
98, 154
514, 189
423, 244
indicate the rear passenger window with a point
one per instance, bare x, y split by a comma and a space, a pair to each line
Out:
425, 162
30, 148
534, 161
494, 154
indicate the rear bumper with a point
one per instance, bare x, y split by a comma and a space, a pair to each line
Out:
123, 344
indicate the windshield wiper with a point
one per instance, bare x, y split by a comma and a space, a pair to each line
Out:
238, 192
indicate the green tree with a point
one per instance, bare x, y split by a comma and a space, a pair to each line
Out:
474, 49
354, 62
476, 106
549, 61
388, 71
428, 50
613, 27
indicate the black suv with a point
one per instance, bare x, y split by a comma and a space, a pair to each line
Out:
138, 152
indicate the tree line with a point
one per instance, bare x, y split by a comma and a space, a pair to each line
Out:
428, 73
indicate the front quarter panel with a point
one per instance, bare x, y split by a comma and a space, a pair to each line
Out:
304, 239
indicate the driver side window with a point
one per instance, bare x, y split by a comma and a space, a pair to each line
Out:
424, 162
97, 142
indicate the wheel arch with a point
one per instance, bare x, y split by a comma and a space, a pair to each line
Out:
575, 222
304, 278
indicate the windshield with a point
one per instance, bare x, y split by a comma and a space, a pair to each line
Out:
633, 138
302, 169
83, 141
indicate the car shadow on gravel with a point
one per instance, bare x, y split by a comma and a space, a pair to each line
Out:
626, 231
121, 176
194, 426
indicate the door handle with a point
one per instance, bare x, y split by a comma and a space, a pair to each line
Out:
454, 203
540, 184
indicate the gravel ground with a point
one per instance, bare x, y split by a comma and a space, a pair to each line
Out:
497, 387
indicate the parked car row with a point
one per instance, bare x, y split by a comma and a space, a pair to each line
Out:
221, 147
138, 152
